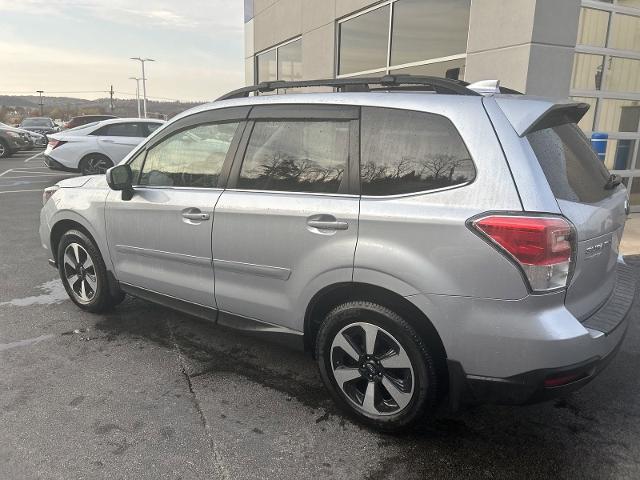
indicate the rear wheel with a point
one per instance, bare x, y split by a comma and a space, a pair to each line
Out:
95, 164
84, 274
376, 366
5, 151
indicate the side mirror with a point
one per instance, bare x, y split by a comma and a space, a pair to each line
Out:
120, 178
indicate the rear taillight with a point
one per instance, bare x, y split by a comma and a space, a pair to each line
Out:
55, 143
541, 246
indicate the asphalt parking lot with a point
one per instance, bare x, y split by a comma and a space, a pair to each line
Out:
145, 392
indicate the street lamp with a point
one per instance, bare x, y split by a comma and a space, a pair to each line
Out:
144, 81
41, 104
137, 93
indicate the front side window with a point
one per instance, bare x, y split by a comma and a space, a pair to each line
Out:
296, 156
189, 158
151, 127
407, 152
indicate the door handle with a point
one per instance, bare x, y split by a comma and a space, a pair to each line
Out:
328, 224
109, 141
196, 216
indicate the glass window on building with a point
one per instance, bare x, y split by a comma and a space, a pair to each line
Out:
623, 75
406, 36
290, 61
364, 42
424, 29
618, 115
625, 32
593, 26
267, 66
451, 69
629, 3
587, 71
619, 154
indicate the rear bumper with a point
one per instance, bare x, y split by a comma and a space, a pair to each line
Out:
526, 388
528, 350
55, 165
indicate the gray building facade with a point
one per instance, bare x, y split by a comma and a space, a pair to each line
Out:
585, 49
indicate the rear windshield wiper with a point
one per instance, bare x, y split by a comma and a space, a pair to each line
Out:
613, 182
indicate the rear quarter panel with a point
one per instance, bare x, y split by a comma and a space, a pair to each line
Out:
420, 243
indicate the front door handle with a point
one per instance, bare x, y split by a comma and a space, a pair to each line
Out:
328, 224
197, 216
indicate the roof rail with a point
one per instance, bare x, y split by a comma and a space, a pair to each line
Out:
437, 84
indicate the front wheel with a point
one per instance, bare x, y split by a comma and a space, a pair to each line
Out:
95, 164
5, 151
376, 366
84, 274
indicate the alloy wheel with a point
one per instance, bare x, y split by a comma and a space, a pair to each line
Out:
372, 369
96, 165
3, 150
80, 272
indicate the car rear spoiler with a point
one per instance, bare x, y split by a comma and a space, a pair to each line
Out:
530, 115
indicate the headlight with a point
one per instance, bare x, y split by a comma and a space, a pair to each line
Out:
13, 134
48, 193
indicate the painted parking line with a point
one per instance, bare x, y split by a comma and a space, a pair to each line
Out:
20, 191
34, 157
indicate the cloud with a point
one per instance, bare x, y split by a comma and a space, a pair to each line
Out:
223, 14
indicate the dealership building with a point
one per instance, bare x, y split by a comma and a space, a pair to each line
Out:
585, 49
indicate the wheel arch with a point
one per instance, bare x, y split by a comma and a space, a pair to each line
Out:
333, 295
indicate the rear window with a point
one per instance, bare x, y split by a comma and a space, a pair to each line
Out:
572, 168
407, 152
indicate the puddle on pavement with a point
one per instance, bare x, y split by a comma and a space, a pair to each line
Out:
53, 292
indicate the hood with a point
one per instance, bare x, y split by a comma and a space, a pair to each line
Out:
89, 181
38, 129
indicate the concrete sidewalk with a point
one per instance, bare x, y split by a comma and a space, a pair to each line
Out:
630, 244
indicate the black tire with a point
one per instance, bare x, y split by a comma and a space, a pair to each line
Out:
424, 394
5, 151
102, 298
95, 164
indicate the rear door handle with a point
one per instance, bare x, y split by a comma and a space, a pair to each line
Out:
328, 224
198, 216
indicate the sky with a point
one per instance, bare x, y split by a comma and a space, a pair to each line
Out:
84, 46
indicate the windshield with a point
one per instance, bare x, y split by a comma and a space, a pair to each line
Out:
36, 122
572, 168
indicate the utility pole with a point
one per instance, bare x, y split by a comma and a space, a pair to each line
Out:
41, 103
111, 98
137, 92
144, 81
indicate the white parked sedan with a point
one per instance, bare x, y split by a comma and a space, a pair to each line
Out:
95, 147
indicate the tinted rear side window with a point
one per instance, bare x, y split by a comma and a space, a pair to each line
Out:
572, 168
296, 156
405, 152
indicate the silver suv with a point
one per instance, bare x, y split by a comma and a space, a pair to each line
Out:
424, 239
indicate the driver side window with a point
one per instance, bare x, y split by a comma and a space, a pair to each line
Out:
189, 158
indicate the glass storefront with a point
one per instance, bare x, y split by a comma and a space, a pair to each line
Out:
419, 37
606, 75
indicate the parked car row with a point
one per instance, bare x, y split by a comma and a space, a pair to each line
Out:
14, 139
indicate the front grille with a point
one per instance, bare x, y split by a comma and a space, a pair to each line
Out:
616, 308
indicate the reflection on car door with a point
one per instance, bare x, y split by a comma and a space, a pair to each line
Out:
160, 240
118, 139
287, 221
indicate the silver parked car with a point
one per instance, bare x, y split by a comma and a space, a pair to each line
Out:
424, 239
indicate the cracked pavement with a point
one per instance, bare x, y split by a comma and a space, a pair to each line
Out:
145, 392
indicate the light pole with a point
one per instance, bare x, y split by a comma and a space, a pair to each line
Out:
137, 92
41, 104
144, 81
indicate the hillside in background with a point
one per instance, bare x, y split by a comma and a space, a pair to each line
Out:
15, 107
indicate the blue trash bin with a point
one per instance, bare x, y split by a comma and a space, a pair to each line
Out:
599, 144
